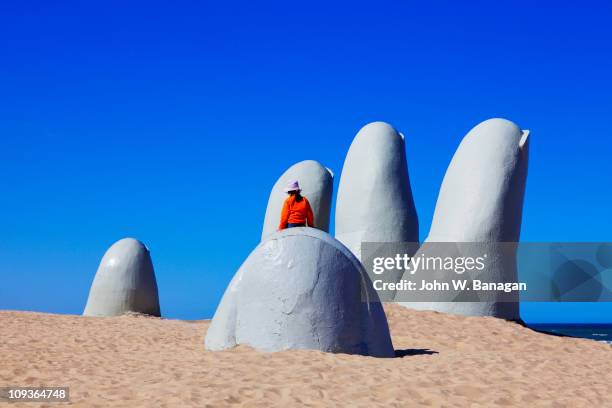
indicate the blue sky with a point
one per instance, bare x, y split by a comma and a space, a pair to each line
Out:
170, 121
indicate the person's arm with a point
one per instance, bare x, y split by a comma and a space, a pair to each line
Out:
309, 215
284, 216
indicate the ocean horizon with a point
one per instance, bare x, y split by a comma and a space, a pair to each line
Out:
601, 332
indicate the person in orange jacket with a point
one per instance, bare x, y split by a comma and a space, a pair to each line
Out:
296, 209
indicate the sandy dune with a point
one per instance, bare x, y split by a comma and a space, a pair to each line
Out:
449, 361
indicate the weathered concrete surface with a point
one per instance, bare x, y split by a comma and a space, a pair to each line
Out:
125, 282
317, 186
481, 200
375, 201
301, 289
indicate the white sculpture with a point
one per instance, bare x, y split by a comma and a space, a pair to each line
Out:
301, 289
317, 186
481, 201
125, 282
375, 201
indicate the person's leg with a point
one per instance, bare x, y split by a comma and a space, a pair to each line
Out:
290, 225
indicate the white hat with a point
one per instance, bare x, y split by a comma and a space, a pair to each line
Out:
292, 186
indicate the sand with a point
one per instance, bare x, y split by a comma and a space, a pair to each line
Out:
445, 360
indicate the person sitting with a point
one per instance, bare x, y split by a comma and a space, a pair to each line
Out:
296, 209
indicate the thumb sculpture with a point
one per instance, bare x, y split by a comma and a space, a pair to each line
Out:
375, 201
317, 183
481, 201
125, 282
301, 289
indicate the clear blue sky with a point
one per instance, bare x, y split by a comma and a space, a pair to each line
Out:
170, 121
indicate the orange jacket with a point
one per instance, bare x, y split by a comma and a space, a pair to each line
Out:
295, 212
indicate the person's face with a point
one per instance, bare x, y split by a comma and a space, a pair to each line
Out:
291, 193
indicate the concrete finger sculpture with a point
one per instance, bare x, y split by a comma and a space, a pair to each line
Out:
125, 282
301, 289
375, 201
317, 185
481, 201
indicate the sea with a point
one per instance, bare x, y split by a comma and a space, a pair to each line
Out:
598, 332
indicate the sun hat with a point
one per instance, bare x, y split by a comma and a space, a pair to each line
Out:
292, 186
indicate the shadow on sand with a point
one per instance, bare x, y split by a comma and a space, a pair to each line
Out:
414, 352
